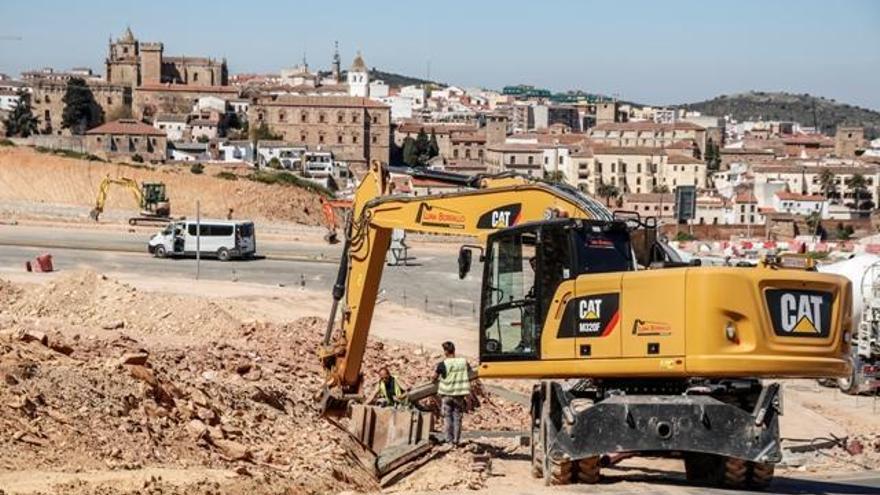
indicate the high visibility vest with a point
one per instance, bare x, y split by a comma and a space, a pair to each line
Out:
383, 392
456, 382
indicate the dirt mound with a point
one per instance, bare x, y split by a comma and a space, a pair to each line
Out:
86, 298
27, 176
195, 390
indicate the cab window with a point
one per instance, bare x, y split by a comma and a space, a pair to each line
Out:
602, 250
508, 323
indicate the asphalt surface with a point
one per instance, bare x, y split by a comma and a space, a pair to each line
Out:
432, 275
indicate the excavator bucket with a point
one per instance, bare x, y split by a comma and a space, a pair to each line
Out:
389, 442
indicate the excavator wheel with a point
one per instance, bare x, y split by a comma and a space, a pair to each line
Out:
736, 472
760, 474
561, 471
701, 468
588, 470
537, 452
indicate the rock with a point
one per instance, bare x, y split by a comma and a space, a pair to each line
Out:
232, 450
143, 374
61, 348
137, 358
33, 336
113, 325
196, 429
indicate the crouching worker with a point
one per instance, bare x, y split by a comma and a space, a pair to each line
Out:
389, 391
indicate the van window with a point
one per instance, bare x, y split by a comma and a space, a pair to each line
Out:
246, 229
212, 230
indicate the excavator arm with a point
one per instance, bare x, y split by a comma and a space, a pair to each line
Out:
104, 190
495, 203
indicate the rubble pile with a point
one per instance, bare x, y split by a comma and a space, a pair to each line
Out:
196, 390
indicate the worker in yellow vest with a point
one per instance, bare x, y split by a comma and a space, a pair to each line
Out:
389, 390
454, 385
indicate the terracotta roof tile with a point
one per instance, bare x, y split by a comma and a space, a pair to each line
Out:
126, 127
790, 196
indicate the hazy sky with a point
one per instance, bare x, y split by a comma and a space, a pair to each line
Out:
648, 51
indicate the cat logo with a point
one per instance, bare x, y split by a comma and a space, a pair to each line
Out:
800, 313
501, 217
590, 309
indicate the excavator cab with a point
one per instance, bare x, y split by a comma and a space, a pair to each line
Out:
524, 268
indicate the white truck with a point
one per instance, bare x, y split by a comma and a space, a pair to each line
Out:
225, 239
864, 272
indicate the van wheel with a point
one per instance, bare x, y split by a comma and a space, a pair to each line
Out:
159, 252
223, 254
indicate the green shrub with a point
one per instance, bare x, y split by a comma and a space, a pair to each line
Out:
275, 163
6, 142
137, 158
684, 236
226, 175
197, 168
288, 179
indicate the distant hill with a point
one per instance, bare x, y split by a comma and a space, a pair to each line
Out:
393, 79
758, 105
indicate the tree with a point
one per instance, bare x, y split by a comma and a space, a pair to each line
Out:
263, 133
828, 184
81, 111
607, 191
433, 147
713, 155
859, 186
423, 149
21, 121
554, 176
661, 189
410, 155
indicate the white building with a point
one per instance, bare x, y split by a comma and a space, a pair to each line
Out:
358, 78
174, 125
204, 129
417, 94
235, 151
210, 104
288, 154
800, 204
8, 100
401, 107
378, 90
187, 152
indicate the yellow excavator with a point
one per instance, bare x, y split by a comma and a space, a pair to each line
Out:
150, 197
636, 351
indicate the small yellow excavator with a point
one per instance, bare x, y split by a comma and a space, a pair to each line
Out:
636, 351
150, 197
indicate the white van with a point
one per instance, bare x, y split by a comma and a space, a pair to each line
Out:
225, 239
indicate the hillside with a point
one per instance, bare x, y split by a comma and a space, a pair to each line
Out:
397, 80
45, 185
758, 105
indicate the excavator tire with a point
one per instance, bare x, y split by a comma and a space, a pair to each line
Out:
537, 453
735, 472
561, 471
588, 470
760, 474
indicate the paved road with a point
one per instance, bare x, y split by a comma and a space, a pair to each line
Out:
434, 275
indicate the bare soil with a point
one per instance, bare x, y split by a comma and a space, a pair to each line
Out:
112, 386
46, 186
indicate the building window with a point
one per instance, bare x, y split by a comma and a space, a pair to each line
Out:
303, 117
467, 153
109, 100
480, 154
47, 118
375, 119
354, 139
546, 160
46, 99
321, 118
302, 137
195, 77
282, 117
354, 118
531, 160
339, 139
455, 154
512, 160
339, 117
321, 138
374, 139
